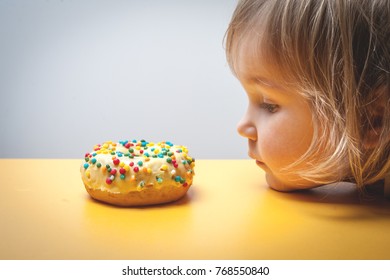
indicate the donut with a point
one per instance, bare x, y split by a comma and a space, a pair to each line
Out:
137, 173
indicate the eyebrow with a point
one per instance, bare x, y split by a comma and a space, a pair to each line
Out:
265, 82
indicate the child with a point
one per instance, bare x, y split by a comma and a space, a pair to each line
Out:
317, 76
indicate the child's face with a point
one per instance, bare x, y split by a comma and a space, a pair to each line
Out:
278, 125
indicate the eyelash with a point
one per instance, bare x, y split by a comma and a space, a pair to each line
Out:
271, 108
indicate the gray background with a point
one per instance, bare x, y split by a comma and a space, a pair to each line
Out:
77, 73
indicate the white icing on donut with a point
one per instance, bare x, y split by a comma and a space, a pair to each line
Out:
136, 166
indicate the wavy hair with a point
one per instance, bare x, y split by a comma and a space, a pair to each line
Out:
335, 53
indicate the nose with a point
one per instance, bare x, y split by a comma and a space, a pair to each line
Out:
246, 128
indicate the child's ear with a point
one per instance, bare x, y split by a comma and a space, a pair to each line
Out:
374, 126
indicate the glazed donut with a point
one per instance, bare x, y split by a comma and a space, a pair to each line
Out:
136, 173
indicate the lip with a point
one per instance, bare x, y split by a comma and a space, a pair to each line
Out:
252, 156
260, 163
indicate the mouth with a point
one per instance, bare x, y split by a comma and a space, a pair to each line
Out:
260, 163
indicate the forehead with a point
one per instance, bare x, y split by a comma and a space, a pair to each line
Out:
254, 61
249, 58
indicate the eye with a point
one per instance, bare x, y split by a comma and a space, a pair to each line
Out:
271, 108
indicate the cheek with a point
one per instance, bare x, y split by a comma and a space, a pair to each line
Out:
275, 150
284, 143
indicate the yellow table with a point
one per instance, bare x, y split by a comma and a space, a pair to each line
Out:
229, 213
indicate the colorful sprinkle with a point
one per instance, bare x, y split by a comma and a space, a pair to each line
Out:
159, 180
142, 154
164, 167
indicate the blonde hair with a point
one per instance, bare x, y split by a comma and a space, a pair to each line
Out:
336, 53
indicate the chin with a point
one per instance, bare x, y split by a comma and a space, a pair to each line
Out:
277, 185
282, 186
